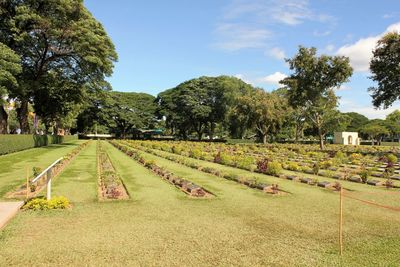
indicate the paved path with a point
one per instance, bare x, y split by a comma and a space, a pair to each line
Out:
8, 210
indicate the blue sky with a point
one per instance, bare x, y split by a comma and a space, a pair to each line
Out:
163, 43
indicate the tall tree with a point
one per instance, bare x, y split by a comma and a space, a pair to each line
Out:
375, 129
386, 71
266, 111
200, 104
392, 122
9, 67
312, 84
54, 36
124, 112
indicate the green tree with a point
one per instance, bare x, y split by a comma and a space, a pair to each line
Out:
357, 121
375, 130
312, 84
266, 112
59, 38
125, 112
200, 105
9, 67
392, 122
385, 70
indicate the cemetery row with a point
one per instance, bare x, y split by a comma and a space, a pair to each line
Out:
382, 170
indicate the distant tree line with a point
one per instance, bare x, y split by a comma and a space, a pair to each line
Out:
55, 56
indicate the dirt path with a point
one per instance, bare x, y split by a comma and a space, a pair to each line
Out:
8, 210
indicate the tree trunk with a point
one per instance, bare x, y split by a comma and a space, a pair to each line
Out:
296, 138
199, 131
22, 114
212, 129
3, 120
264, 138
321, 139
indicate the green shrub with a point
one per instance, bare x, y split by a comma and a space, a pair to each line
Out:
195, 153
246, 162
364, 173
391, 158
274, 168
293, 166
36, 171
316, 168
10, 143
326, 164
340, 157
44, 204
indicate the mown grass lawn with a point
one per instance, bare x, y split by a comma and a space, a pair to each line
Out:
161, 226
13, 166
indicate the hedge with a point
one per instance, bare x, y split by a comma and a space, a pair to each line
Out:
10, 143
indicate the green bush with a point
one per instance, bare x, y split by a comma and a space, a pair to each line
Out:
274, 168
10, 143
293, 166
44, 204
391, 158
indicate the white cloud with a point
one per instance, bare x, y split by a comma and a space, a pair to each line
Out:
245, 23
276, 52
235, 37
360, 52
289, 12
329, 48
243, 78
273, 79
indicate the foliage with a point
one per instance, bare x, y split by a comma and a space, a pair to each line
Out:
200, 104
385, 70
274, 168
356, 121
64, 52
375, 129
312, 85
127, 113
9, 68
266, 112
14, 143
364, 174
262, 165
316, 167
390, 158
44, 204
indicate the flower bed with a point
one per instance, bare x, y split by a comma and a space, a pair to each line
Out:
252, 183
332, 165
110, 184
184, 185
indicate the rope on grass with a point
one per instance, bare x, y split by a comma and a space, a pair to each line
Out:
373, 203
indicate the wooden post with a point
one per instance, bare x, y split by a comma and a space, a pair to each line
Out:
27, 183
341, 222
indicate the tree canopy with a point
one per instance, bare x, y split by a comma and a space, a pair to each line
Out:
313, 82
200, 104
9, 68
58, 42
386, 71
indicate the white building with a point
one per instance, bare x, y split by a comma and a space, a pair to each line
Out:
347, 138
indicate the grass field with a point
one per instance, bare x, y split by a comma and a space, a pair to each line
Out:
160, 225
13, 166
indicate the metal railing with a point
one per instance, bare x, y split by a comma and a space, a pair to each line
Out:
48, 172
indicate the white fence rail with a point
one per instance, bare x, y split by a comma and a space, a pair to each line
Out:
48, 173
